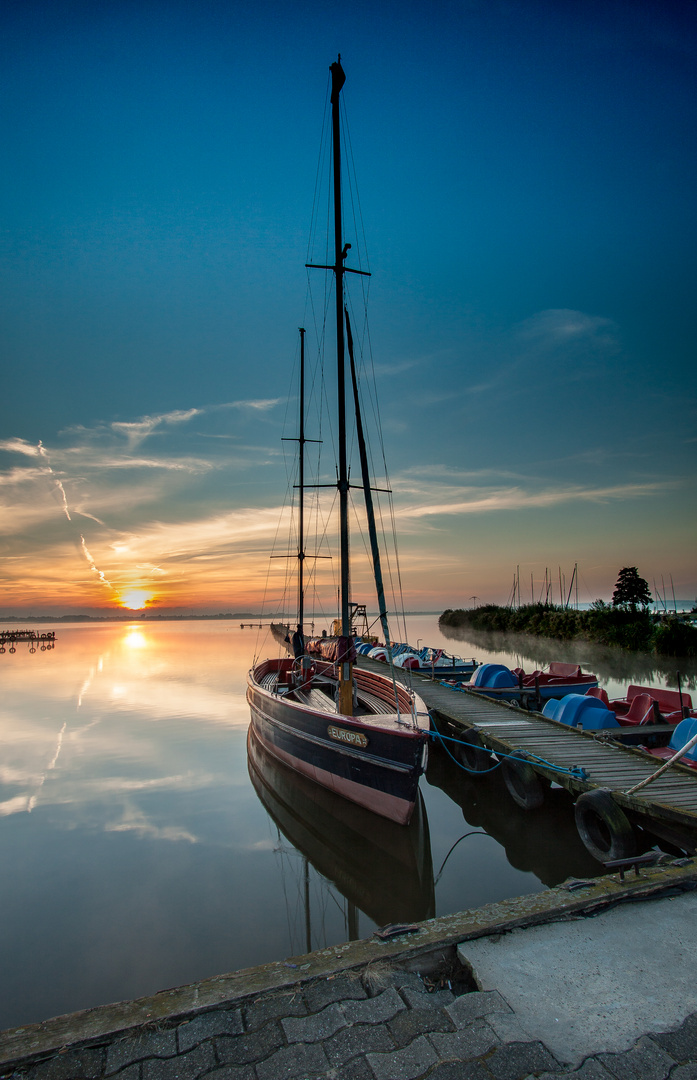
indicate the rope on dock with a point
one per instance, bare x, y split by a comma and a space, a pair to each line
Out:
479, 772
576, 772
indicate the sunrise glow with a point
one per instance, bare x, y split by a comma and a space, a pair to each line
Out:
135, 599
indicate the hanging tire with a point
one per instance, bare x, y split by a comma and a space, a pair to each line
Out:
472, 754
524, 785
604, 827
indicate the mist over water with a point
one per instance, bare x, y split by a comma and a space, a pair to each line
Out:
142, 850
615, 668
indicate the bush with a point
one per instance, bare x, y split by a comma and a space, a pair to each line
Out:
602, 624
675, 638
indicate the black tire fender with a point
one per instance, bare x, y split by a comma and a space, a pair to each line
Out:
524, 786
472, 754
604, 827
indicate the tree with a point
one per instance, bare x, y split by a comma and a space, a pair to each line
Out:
631, 590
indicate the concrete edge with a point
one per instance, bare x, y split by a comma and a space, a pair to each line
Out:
104, 1023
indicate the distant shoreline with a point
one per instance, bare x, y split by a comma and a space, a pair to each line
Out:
243, 616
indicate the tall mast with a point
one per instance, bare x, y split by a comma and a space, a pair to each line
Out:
301, 484
345, 672
338, 80
340, 252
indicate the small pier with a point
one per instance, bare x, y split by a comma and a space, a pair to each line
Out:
577, 760
9, 639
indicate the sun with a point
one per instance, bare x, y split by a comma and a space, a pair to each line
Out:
135, 599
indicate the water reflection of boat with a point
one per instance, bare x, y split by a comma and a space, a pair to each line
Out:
383, 868
544, 841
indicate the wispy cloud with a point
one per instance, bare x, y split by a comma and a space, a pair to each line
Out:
19, 446
478, 501
255, 404
559, 326
551, 348
188, 465
19, 476
136, 431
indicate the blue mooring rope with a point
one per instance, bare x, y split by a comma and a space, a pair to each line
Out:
576, 772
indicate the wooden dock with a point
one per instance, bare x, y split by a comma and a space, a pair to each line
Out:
32, 638
578, 760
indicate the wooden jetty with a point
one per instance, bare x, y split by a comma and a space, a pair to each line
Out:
32, 638
578, 760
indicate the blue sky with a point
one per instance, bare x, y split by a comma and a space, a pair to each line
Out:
526, 175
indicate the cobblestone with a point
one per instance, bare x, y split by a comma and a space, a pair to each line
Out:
472, 1006
375, 1010
184, 1067
358, 1069
463, 1045
406, 1064
646, 1059
591, 1069
300, 1060
421, 999
315, 1028
460, 1070
139, 1047
131, 1072
354, 1041
515, 1061
507, 1028
220, 1022
681, 1043
255, 1046
412, 1022
83, 1064
326, 991
273, 1007
232, 1072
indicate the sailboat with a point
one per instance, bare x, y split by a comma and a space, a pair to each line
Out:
358, 733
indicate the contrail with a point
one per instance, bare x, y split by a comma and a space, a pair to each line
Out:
56, 481
51, 765
93, 565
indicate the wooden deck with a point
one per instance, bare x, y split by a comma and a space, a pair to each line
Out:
667, 806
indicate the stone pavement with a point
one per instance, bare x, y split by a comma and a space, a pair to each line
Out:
386, 1027
383, 1020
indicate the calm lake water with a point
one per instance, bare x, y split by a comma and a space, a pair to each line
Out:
142, 850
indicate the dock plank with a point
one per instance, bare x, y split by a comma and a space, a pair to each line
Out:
507, 729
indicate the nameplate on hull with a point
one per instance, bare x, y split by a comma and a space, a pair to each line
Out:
351, 738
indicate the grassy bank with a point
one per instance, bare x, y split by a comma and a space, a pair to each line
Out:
602, 624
